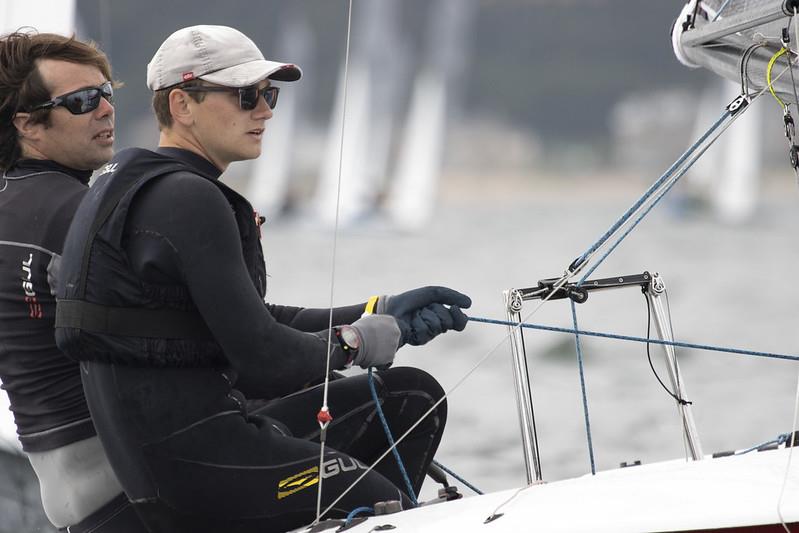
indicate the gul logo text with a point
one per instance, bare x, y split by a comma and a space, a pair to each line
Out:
310, 477
27, 286
108, 168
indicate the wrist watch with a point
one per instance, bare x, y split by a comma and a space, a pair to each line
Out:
349, 340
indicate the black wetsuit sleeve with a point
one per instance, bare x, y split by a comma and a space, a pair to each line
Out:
181, 229
308, 319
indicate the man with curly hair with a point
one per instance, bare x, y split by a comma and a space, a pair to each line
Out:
56, 128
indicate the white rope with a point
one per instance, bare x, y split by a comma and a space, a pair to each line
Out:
324, 408
506, 502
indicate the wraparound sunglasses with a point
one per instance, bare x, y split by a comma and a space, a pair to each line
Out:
81, 101
248, 96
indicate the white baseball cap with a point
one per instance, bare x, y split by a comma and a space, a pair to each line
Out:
218, 54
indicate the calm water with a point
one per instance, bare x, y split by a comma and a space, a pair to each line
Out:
728, 285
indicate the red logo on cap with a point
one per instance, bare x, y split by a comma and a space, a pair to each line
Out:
188, 76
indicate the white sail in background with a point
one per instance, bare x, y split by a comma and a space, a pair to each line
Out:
412, 195
729, 173
378, 73
270, 174
357, 194
738, 183
389, 59
366, 135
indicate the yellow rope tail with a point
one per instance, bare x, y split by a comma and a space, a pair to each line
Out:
768, 74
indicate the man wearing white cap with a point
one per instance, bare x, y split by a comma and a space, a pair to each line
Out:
162, 302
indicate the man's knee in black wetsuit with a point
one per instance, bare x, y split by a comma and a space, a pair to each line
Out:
251, 474
406, 395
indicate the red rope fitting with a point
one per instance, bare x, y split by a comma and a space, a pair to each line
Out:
324, 417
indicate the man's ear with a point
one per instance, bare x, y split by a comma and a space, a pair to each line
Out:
180, 108
25, 128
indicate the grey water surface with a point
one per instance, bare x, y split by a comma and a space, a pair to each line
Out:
728, 285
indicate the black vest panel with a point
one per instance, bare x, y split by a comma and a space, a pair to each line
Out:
105, 311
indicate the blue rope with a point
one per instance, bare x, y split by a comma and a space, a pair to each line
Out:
394, 450
632, 226
782, 438
582, 389
654, 187
636, 339
638, 220
390, 439
355, 512
456, 476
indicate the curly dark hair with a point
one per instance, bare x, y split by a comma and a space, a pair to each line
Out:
21, 85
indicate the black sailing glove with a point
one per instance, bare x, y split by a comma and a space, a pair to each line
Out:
422, 314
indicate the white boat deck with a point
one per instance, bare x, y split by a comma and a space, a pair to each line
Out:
734, 491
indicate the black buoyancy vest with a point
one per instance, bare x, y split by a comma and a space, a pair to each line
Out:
105, 312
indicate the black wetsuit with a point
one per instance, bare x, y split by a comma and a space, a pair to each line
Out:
176, 430
37, 202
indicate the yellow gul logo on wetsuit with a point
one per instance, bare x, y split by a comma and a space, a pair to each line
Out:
297, 482
310, 477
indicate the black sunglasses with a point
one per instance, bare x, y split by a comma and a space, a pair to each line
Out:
81, 101
248, 96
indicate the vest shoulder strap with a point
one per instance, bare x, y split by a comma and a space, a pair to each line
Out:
131, 322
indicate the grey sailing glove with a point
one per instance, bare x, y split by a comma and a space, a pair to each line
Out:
422, 314
377, 342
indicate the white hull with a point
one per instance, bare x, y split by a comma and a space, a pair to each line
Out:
740, 492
